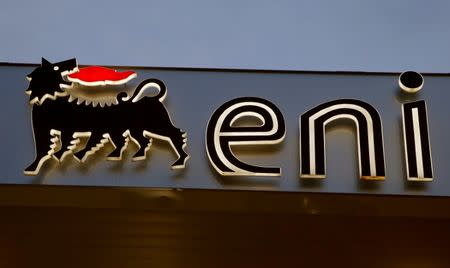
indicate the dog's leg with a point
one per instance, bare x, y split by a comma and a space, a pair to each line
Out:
44, 149
120, 143
94, 143
66, 146
144, 144
178, 142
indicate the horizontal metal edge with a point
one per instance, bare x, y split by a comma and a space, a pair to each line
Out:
224, 201
200, 69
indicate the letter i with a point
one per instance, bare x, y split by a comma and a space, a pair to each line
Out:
415, 130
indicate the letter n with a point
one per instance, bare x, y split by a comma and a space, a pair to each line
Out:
369, 136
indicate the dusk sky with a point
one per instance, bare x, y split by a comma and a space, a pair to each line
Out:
294, 35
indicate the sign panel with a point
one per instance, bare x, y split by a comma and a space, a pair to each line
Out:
225, 129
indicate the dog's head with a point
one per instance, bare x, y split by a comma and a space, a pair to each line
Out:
46, 81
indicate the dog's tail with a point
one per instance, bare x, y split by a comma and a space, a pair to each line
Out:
145, 84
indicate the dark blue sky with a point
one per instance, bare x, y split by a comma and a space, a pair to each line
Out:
377, 35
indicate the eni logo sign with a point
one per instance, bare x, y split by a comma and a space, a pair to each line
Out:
57, 117
61, 116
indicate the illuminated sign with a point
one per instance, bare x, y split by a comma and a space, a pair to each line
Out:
61, 118
56, 117
221, 134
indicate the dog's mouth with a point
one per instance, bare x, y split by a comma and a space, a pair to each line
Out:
65, 83
65, 73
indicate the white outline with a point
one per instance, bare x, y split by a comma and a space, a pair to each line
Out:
53, 138
370, 137
217, 134
149, 144
156, 136
102, 82
56, 94
248, 114
147, 85
55, 134
410, 89
417, 143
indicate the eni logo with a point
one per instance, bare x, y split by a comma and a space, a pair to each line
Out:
222, 134
58, 118
61, 116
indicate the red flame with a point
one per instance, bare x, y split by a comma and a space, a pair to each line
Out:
98, 75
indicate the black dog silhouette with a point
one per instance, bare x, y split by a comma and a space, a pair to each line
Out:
55, 118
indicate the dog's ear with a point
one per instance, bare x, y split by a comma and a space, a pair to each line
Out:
45, 63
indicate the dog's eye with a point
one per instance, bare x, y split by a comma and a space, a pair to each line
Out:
56, 68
